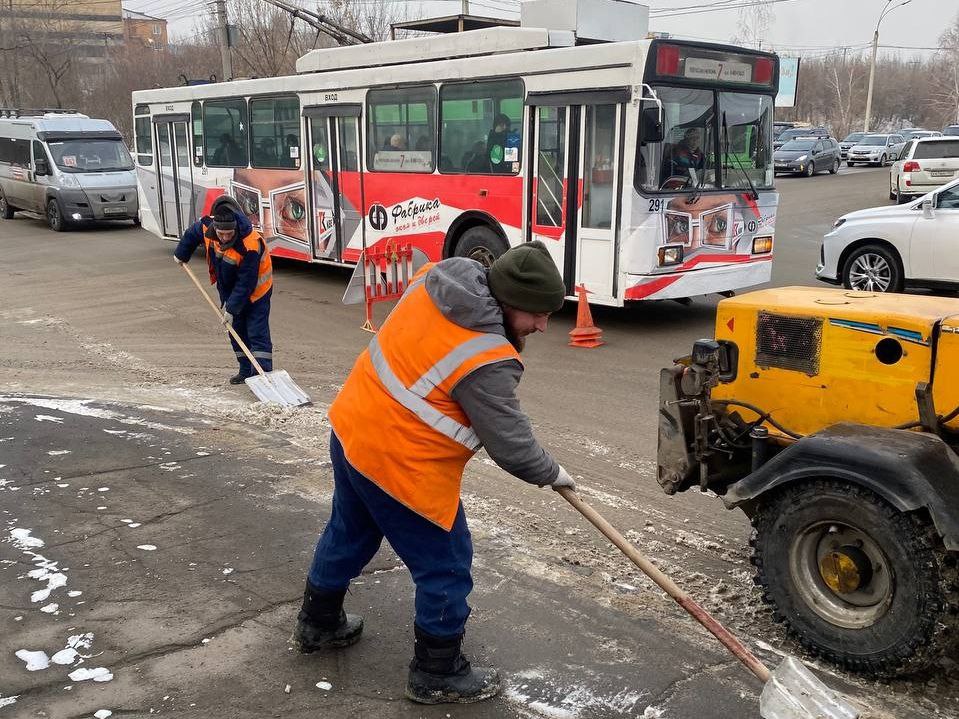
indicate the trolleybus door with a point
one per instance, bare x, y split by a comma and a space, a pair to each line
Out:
175, 170
334, 181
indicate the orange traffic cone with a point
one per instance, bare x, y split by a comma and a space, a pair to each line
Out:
585, 334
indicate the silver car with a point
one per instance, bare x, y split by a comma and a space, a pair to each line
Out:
851, 140
876, 150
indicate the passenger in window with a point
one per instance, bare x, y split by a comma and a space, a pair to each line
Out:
497, 143
424, 144
686, 159
396, 143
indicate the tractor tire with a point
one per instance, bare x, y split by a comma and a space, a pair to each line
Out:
482, 244
855, 580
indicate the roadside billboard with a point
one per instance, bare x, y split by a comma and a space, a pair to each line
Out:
788, 81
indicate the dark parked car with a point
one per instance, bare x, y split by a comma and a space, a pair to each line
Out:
951, 130
796, 132
807, 156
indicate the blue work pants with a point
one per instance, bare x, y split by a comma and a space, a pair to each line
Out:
253, 326
439, 561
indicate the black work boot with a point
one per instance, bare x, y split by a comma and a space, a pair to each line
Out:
440, 674
238, 378
322, 622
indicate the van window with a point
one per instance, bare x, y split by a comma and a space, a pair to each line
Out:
275, 132
143, 141
90, 155
15, 152
196, 115
402, 134
481, 127
225, 133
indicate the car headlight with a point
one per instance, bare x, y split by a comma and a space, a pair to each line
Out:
670, 255
69, 180
802, 158
839, 222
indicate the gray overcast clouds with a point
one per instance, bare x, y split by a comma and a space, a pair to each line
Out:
809, 24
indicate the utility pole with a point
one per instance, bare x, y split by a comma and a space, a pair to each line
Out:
872, 65
226, 56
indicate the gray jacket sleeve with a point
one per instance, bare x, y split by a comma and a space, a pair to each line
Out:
488, 397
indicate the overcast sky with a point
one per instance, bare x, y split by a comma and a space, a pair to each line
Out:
801, 27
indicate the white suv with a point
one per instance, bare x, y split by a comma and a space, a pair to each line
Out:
925, 164
884, 249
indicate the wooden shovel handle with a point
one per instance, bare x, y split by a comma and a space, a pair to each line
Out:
668, 585
219, 314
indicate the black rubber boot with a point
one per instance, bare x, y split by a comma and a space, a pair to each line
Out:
238, 378
322, 623
440, 674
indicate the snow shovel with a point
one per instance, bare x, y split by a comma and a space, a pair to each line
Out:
276, 386
790, 691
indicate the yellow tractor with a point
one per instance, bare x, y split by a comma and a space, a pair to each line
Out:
831, 418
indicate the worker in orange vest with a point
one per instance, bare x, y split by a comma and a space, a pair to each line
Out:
435, 384
240, 266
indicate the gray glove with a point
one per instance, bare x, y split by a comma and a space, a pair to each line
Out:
227, 317
563, 480
178, 260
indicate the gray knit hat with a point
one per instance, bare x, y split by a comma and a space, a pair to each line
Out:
526, 278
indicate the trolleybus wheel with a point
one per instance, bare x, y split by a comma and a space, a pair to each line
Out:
482, 244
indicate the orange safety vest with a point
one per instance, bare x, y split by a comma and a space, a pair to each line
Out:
395, 416
253, 241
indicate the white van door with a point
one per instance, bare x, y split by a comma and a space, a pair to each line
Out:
38, 189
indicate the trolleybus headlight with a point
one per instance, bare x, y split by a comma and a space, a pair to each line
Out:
670, 255
762, 245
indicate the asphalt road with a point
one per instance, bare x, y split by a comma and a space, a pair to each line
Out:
103, 314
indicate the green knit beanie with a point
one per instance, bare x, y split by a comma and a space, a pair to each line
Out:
526, 278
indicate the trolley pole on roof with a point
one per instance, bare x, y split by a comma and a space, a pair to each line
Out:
226, 57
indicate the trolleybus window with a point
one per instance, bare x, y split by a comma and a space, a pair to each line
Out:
196, 115
401, 135
481, 126
144, 147
141, 135
550, 166
745, 126
275, 132
699, 125
224, 133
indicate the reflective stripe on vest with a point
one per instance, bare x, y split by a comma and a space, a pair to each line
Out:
429, 415
435, 375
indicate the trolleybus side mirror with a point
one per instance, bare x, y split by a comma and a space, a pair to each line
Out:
40, 166
653, 130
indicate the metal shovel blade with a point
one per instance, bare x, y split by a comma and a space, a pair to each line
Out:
279, 387
794, 692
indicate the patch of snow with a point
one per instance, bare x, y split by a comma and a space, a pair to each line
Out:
147, 547
82, 407
98, 674
57, 452
74, 593
50, 608
325, 686
35, 661
103, 489
22, 540
7, 701
102, 713
134, 525
48, 418
228, 570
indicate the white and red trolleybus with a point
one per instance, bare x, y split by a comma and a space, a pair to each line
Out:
645, 166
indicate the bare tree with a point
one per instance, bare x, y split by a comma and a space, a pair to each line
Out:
755, 22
